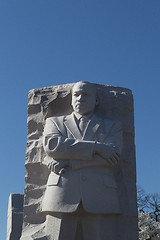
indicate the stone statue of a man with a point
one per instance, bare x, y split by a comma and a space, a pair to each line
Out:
81, 200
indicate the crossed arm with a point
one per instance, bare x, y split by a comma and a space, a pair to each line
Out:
80, 153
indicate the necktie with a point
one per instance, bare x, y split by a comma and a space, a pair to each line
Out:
83, 124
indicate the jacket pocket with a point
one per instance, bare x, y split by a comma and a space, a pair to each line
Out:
53, 179
109, 181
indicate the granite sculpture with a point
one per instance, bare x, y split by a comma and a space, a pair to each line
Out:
15, 216
80, 164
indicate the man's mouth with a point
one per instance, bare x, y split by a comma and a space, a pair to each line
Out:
80, 104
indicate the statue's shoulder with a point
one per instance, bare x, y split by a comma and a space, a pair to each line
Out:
109, 122
104, 119
56, 119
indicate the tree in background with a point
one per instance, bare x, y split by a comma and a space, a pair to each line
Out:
149, 215
149, 229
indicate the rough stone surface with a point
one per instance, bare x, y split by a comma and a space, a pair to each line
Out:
115, 103
15, 216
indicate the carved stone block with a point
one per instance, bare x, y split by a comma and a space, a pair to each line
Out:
114, 103
15, 216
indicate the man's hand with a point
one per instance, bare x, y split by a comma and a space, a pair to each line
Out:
107, 152
58, 167
114, 158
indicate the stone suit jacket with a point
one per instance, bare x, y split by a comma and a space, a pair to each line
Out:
87, 177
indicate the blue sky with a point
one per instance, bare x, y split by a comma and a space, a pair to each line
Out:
50, 42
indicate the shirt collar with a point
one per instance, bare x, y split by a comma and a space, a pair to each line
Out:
78, 116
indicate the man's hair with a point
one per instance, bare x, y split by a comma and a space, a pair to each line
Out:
85, 82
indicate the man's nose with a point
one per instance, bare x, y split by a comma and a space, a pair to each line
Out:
80, 97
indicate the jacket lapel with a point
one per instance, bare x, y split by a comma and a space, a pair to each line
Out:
72, 127
92, 128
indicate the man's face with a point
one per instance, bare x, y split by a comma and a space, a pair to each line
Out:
83, 98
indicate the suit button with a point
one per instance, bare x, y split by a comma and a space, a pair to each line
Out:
84, 178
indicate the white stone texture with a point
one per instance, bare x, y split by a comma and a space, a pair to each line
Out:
114, 102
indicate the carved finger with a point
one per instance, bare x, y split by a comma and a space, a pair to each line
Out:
116, 157
110, 161
50, 166
55, 168
117, 154
114, 160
